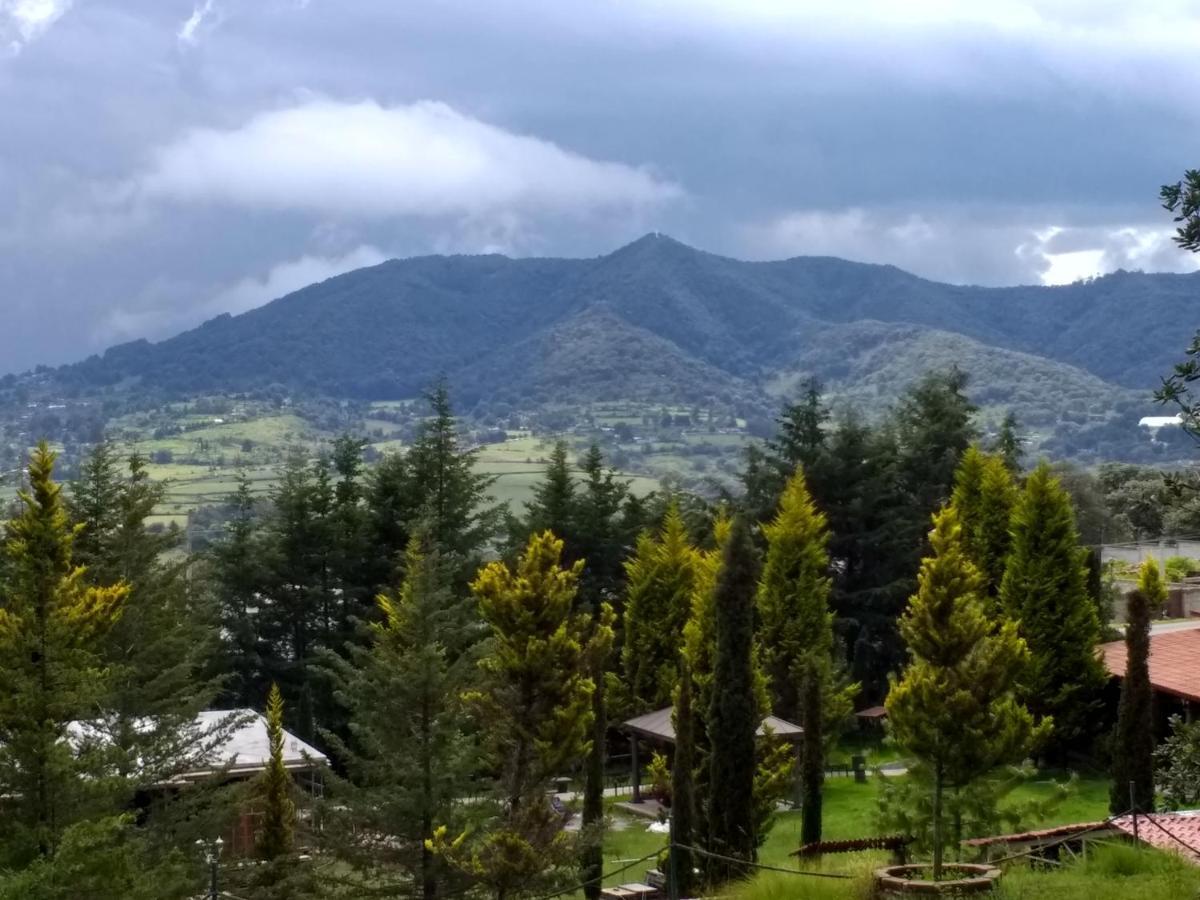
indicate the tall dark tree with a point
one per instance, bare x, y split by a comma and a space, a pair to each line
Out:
812, 764
733, 716
1133, 740
683, 788
553, 505
1008, 443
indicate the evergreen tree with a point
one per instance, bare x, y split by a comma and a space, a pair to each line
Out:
1008, 443
812, 771
409, 754
1044, 591
661, 577
52, 624
553, 505
1133, 740
984, 497
683, 795
794, 621
733, 717
279, 813
158, 650
955, 707
535, 709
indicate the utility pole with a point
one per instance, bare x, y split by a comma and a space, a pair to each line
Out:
212, 856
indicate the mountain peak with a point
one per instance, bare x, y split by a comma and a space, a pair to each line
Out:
655, 243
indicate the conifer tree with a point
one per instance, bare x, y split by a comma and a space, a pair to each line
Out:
553, 505
733, 717
683, 788
279, 813
1008, 443
1044, 591
661, 578
52, 624
793, 595
1133, 739
955, 706
408, 754
984, 496
812, 764
535, 709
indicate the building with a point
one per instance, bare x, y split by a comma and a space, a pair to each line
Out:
1174, 669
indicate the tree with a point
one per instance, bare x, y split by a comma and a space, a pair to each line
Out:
983, 498
733, 717
553, 505
792, 597
812, 772
955, 707
1133, 739
408, 753
660, 579
1177, 761
1183, 199
534, 707
279, 813
52, 625
1008, 443
683, 793
1044, 591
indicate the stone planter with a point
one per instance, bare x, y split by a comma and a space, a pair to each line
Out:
958, 880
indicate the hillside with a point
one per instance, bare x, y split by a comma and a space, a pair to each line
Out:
662, 322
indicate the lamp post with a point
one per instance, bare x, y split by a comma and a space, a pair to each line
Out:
212, 856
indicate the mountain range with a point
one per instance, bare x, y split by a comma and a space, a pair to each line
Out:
660, 321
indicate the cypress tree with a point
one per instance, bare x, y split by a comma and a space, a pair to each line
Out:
793, 595
1044, 591
683, 788
1008, 443
812, 772
279, 813
984, 496
733, 717
1133, 739
52, 627
955, 706
661, 578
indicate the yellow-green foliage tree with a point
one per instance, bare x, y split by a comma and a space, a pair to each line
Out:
955, 707
984, 497
52, 623
661, 579
534, 710
279, 812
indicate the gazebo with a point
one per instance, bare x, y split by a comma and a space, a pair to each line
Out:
658, 727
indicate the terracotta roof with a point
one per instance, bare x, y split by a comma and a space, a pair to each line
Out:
1174, 662
1178, 832
1041, 835
658, 726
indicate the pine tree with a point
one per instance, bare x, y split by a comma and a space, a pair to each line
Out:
52, 624
661, 577
535, 709
279, 813
955, 706
1133, 739
683, 794
733, 717
984, 497
553, 505
793, 595
408, 754
1044, 591
1008, 443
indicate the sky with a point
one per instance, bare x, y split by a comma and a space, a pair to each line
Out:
164, 161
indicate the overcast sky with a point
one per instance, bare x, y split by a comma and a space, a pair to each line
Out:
162, 161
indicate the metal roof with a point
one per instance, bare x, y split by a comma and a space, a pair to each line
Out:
658, 726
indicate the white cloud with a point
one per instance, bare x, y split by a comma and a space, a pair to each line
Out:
189, 31
22, 21
367, 160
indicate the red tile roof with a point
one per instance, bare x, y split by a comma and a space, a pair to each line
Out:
1174, 662
1177, 832
1035, 836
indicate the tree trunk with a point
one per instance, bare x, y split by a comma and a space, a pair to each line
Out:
938, 778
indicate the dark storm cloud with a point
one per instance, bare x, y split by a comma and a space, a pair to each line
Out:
163, 161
